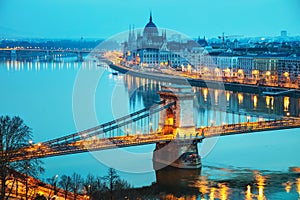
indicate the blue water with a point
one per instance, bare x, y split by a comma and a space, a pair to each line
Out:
42, 94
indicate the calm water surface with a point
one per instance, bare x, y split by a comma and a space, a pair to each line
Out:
253, 166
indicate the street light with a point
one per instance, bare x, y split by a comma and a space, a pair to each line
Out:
54, 185
227, 72
240, 74
217, 71
248, 119
287, 77
240, 71
151, 129
205, 69
255, 74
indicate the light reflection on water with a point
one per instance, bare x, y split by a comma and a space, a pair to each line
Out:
235, 184
260, 181
230, 96
248, 195
298, 186
211, 183
288, 185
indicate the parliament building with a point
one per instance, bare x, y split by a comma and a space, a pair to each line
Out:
151, 48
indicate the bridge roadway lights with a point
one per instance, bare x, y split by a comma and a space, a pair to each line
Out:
177, 120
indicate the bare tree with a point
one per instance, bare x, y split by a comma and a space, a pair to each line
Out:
53, 182
30, 168
122, 185
90, 185
14, 134
115, 184
94, 187
76, 184
112, 178
65, 184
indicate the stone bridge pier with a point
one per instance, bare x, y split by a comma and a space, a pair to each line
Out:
179, 121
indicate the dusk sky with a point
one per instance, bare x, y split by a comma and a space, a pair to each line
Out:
103, 18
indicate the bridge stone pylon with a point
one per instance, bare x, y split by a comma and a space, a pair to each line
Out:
179, 118
79, 56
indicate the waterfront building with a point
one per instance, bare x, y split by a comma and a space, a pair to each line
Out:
245, 65
149, 48
263, 63
208, 64
283, 34
228, 64
236, 44
289, 70
218, 64
265, 68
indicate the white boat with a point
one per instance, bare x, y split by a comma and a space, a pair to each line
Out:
270, 93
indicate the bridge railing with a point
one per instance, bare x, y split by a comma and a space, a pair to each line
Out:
245, 127
90, 145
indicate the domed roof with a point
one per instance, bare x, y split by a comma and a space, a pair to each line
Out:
150, 24
150, 28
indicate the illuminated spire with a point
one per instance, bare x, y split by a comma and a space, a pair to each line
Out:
129, 35
150, 16
133, 34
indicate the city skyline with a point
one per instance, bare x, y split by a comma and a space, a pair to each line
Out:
94, 19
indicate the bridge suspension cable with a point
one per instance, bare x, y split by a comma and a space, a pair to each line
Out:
97, 135
102, 128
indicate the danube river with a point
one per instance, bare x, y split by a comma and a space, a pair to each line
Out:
251, 166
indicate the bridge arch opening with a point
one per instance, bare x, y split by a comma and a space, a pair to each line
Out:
169, 121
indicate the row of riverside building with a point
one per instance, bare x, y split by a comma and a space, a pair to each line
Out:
275, 68
148, 48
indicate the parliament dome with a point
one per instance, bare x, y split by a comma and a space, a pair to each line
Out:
150, 28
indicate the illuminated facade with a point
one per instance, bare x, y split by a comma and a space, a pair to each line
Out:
152, 49
148, 48
267, 66
289, 70
245, 63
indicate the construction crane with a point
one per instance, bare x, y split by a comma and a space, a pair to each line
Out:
228, 36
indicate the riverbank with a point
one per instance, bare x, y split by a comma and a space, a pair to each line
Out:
215, 84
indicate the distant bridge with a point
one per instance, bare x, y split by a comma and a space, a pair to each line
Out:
44, 50
49, 54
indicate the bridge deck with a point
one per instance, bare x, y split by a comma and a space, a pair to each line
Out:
45, 150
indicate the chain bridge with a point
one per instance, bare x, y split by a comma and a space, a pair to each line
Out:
169, 124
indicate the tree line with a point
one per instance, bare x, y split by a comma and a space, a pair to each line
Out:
91, 187
15, 134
